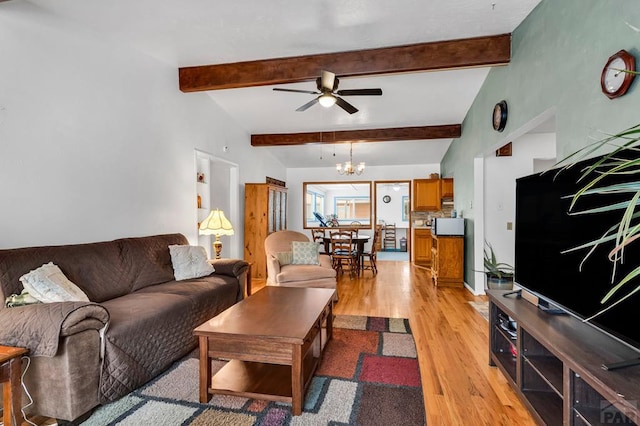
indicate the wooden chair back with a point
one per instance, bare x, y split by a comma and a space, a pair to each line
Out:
317, 236
389, 236
342, 243
343, 251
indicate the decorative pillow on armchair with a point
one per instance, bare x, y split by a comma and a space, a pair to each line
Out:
305, 253
284, 257
189, 262
48, 284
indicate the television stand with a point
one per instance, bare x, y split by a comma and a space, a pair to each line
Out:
518, 294
622, 364
548, 309
555, 365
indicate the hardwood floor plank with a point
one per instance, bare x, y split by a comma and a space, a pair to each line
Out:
452, 340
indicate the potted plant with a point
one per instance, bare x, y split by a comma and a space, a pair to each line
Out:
499, 274
623, 159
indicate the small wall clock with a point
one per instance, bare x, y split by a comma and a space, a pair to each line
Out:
499, 117
386, 199
614, 81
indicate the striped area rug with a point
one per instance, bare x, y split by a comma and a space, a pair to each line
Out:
369, 376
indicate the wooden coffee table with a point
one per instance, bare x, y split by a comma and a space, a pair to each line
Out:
10, 370
274, 339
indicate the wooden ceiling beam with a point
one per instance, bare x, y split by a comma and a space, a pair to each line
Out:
440, 55
365, 135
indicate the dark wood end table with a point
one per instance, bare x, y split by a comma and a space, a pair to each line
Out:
10, 371
275, 340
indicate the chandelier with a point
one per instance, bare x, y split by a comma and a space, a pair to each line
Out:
348, 168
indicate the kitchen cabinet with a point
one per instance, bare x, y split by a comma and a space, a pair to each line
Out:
446, 188
422, 247
426, 195
447, 260
265, 212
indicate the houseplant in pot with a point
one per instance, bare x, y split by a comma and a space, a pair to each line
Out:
499, 274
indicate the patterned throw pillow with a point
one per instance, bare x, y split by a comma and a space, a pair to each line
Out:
48, 284
189, 262
305, 253
284, 258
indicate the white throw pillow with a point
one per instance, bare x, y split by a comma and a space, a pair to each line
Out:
48, 284
305, 253
189, 262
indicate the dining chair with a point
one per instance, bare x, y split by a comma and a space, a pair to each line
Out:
370, 256
317, 236
343, 252
389, 241
355, 226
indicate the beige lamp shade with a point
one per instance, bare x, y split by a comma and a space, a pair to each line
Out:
216, 224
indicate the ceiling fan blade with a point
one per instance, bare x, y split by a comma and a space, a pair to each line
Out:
308, 105
295, 91
328, 80
346, 106
360, 92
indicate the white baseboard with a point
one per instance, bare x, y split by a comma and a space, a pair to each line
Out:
475, 292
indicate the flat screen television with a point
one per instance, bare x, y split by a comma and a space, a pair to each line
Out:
544, 229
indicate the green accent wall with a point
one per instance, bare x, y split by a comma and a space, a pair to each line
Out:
558, 53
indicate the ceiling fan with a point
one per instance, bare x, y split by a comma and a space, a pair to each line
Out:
328, 91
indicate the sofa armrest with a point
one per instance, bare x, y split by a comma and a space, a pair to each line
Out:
229, 267
39, 327
273, 268
236, 268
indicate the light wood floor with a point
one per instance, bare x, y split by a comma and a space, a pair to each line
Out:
452, 340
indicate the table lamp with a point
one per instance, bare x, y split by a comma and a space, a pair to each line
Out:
216, 224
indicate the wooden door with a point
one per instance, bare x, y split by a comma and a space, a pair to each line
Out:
446, 188
426, 194
422, 247
450, 261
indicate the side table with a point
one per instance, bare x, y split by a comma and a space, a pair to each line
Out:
10, 371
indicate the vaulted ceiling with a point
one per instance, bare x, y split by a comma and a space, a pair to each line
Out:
194, 33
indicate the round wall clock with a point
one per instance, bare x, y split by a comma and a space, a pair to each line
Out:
499, 117
614, 81
386, 198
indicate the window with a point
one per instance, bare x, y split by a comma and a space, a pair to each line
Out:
405, 208
314, 204
347, 202
352, 208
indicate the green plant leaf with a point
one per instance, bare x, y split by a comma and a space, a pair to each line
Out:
593, 178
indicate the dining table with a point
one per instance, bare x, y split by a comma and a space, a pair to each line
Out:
357, 240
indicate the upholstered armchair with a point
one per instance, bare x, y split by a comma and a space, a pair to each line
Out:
282, 269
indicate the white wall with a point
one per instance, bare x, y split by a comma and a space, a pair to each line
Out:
391, 212
96, 140
295, 178
500, 174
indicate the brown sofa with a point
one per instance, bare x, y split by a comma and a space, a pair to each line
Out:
139, 321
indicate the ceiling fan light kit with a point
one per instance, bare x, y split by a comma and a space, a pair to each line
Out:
329, 94
327, 100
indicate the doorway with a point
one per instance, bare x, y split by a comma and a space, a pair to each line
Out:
533, 149
392, 206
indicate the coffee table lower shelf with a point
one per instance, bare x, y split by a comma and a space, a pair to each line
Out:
259, 380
